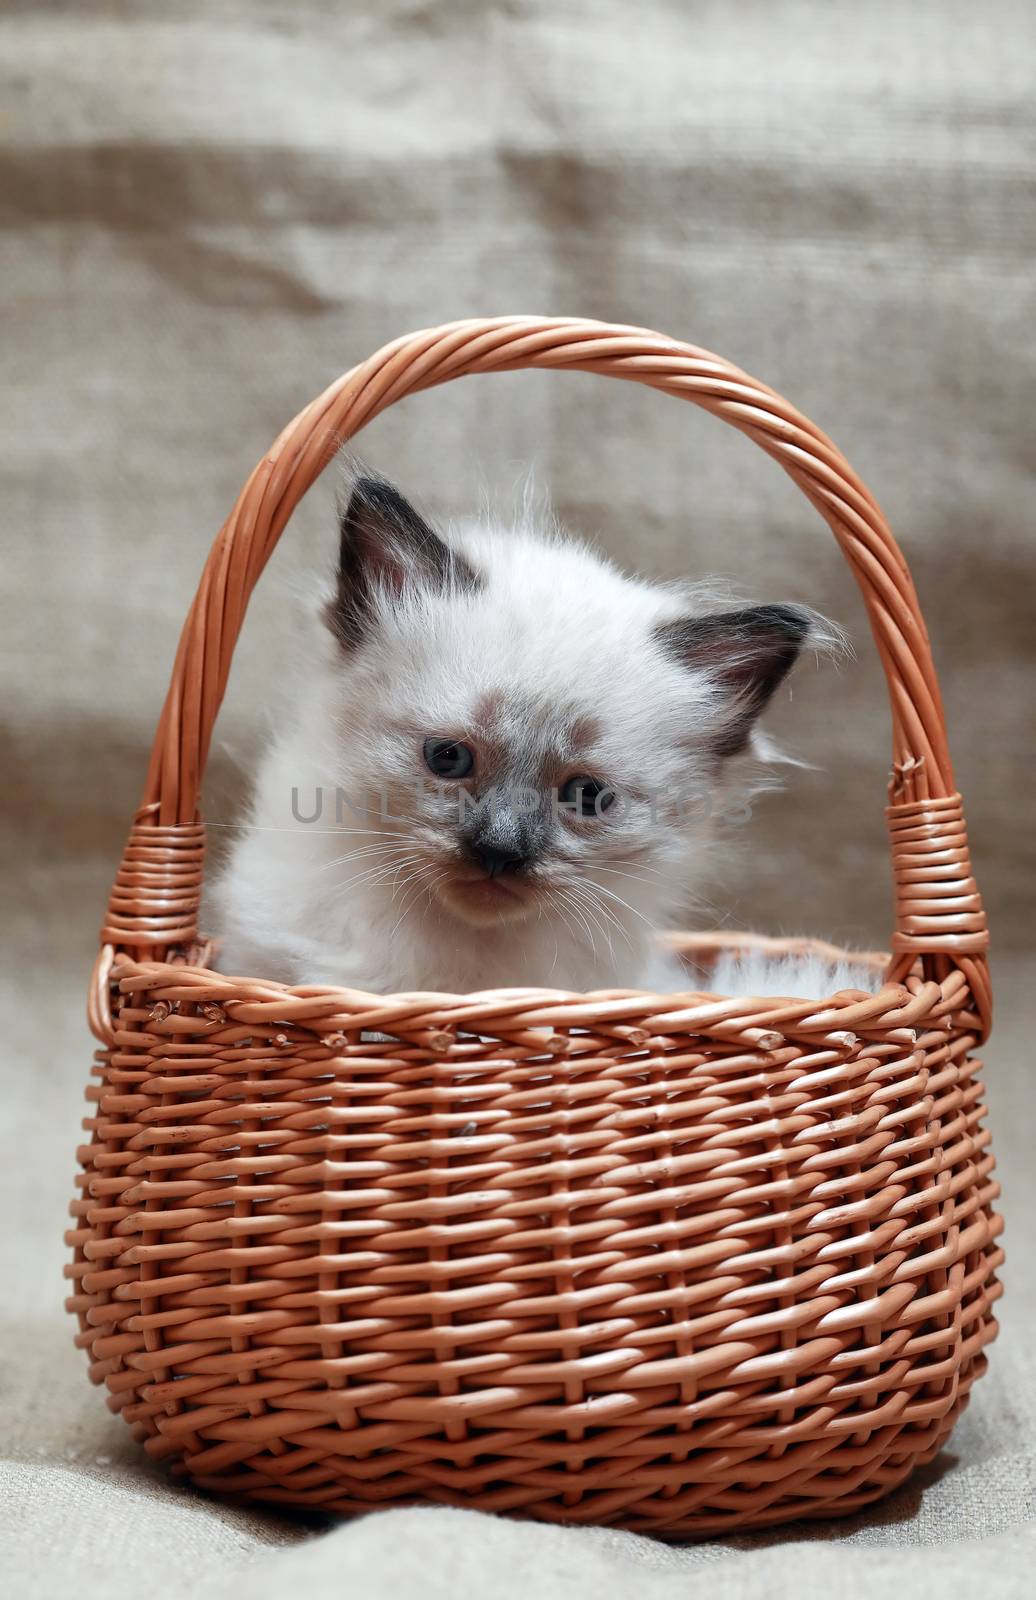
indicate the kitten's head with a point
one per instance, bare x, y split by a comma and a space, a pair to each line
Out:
531, 728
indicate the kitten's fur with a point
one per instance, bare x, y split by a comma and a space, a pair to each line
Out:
546, 662
807, 976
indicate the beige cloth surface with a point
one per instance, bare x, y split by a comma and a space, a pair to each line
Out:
210, 211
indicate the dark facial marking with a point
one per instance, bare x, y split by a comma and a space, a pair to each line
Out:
747, 653
502, 836
386, 545
536, 743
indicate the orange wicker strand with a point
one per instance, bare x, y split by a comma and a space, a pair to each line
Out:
678, 1263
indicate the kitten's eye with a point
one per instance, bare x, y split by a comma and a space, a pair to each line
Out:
447, 759
586, 796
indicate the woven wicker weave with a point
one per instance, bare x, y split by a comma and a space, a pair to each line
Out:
670, 1262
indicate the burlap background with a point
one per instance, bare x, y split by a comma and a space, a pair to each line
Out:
209, 211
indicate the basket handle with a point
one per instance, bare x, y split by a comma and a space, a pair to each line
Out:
938, 909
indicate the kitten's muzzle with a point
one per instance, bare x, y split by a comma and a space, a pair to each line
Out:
502, 840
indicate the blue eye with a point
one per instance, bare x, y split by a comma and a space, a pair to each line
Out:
586, 796
448, 759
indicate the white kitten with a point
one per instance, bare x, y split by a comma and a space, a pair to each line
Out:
504, 769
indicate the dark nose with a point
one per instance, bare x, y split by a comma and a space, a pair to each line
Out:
496, 860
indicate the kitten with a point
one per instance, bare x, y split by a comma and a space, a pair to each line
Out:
504, 768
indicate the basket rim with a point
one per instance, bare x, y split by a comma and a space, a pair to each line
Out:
440, 1017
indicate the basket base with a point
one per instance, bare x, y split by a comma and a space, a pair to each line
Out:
829, 1483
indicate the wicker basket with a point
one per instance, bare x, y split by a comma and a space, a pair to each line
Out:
671, 1262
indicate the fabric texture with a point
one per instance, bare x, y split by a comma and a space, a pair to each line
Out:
209, 212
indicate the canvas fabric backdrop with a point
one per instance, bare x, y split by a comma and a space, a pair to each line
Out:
209, 212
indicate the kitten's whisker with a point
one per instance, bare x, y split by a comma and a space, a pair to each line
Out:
642, 872
582, 918
569, 924
620, 872
598, 909
379, 872
601, 926
395, 853
389, 848
620, 901
300, 828
415, 875
539, 919
434, 882
397, 887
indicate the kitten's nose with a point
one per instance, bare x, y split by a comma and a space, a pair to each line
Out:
496, 860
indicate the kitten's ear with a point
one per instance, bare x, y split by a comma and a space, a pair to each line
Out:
386, 548
747, 655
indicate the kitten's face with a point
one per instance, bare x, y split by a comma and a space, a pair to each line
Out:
509, 803
530, 731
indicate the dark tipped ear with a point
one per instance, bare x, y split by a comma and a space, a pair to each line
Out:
386, 547
747, 654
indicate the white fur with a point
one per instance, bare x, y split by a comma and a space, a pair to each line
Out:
554, 625
799, 977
